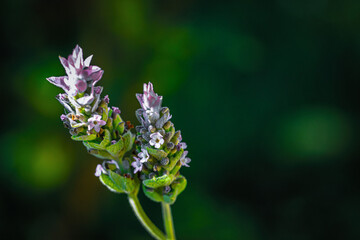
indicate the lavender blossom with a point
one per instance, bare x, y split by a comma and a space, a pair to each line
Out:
156, 140
185, 160
79, 73
116, 110
150, 101
137, 165
143, 155
96, 123
99, 170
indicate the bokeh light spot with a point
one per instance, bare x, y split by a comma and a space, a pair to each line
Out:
314, 134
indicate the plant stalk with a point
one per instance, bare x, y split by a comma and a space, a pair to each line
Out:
168, 221
144, 219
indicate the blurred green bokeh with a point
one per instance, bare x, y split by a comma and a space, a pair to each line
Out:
263, 91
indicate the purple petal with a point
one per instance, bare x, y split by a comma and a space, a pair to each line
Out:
59, 82
116, 110
86, 100
106, 99
65, 64
97, 128
87, 61
63, 117
99, 170
96, 76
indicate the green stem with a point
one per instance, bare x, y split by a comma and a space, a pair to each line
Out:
144, 219
168, 221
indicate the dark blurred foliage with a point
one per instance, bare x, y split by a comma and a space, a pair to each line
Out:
263, 91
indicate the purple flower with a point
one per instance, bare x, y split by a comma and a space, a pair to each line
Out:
182, 145
63, 117
99, 170
156, 140
106, 99
143, 155
185, 160
79, 72
116, 110
137, 165
150, 101
95, 122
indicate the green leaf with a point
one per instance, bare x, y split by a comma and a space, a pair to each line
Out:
126, 184
156, 153
100, 154
93, 145
108, 182
162, 181
115, 149
153, 194
84, 137
107, 139
178, 186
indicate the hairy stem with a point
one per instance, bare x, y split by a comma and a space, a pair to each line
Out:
144, 219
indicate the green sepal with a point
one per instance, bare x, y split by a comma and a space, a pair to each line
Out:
84, 137
174, 160
175, 138
176, 168
117, 120
177, 187
105, 111
129, 139
153, 194
109, 124
156, 153
120, 127
115, 149
162, 181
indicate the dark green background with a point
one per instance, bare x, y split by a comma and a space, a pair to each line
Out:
263, 91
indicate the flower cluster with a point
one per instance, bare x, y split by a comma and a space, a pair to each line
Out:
91, 120
160, 150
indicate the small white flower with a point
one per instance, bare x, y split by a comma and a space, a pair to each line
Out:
143, 155
156, 140
137, 165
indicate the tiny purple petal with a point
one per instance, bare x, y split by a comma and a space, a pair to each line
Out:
95, 122
116, 110
137, 165
63, 117
106, 99
99, 170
